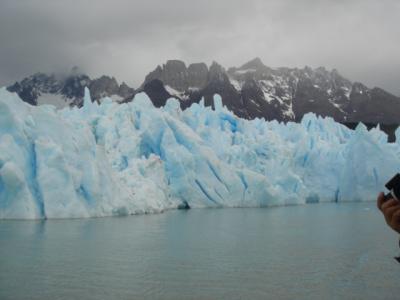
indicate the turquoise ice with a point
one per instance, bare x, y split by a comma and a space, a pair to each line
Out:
117, 159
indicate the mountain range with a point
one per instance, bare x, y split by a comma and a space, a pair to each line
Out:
253, 90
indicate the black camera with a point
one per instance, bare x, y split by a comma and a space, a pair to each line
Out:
393, 185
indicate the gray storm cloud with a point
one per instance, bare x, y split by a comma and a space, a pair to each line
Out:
127, 39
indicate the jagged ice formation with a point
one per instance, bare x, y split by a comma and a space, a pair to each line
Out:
119, 159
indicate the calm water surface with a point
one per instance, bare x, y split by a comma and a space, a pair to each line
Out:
301, 252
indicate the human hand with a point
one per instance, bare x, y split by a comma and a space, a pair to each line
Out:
390, 210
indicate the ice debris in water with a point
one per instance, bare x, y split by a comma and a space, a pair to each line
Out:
119, 159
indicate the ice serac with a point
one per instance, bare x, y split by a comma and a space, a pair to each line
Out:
118, 159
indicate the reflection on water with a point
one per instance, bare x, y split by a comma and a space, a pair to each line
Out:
313, 251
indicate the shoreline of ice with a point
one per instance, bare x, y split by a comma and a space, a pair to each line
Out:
122, 159
174, 209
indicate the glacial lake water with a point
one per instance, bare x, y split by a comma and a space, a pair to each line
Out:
316, 251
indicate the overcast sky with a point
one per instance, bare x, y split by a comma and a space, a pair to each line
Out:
127, 39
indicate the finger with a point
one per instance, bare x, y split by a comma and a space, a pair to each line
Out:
396, 217
388, 204
395, 221
387, 209
389, 212
380, 200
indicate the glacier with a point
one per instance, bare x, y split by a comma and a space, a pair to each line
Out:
119, 159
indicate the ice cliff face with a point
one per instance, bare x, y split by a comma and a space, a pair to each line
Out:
118, 159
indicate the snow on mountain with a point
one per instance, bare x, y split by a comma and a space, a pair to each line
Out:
67, 89
117, 159
284, 94
250, 91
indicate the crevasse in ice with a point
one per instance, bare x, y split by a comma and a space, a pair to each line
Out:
118, 159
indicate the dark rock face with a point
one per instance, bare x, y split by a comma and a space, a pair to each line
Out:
374, 106
125, 91
103, 86
197, 75
218, 83
69, 89
284, 94
157, 93
74, 87
30, 88
179, 77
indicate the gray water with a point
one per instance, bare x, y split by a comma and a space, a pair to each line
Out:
318, 251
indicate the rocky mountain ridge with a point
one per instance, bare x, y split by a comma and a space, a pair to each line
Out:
284, 94
253, 90
68, 89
